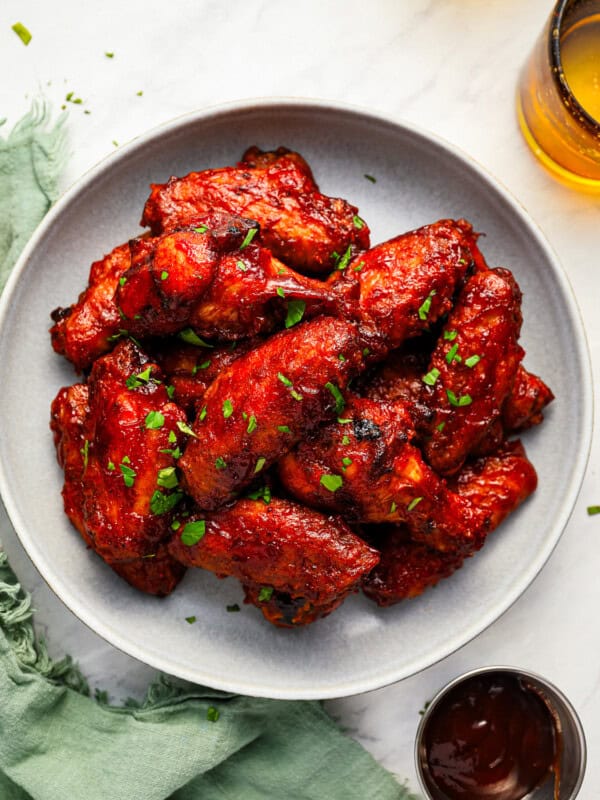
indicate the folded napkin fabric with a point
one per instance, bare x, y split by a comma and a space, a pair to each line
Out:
182, 742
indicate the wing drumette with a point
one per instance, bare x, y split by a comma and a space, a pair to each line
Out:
296, 564
300, 226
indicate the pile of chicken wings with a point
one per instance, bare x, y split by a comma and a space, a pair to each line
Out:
268, 397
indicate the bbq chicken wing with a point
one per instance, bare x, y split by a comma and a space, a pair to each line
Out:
260, 406
296, 564
365, 467
473, 368
104, 498
298, 224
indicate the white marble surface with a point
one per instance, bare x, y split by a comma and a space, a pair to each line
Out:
447, 65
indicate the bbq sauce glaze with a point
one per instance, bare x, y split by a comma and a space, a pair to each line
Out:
491, 737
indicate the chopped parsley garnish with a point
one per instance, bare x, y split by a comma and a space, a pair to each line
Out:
191, 337
295, 312
264, 494
345, 259
413, 503
265, 594
431, 377
346, 462
358, 267
186, 428
203, 365
252, 424
472, 360
212, 714
122, 280
340, 403
164, 275
193, 532
345, 440
84, 452
241, 266
220, 463
365, 352
109, 55
452, 354
200, 229
359, 223
296, 395
425, 306
141, 379
283, 428
174, 453
425, 707
175, 525
344, 421
233, 607
370, 178
161, 503
450, 336
127, 472
172, 437
191, 620
459, 402
140, 93
284, 380
154, 420
260, 464
227, 409
331, 482
22, 32
341, 358
593, 510
393, 507
167, 478
110, 466
202, 414
440, 427
170, 391
248, 237
280, 292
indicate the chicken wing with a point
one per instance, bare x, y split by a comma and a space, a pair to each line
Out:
366, 468
300, 226
473, 368
264, 402
296, 564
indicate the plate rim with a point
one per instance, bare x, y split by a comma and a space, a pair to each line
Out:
308, 105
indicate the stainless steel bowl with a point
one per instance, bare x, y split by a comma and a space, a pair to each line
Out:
571, 742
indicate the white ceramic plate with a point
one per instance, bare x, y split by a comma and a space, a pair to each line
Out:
360, 647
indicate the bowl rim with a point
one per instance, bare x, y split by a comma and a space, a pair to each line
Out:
518, 672
308, 105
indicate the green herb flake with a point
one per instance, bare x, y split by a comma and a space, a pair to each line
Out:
393, 507
358, 267
345, 259
346, 462
260, 464
252, 424
440, 427
139, 94
22, 32
191, 337
265, 594
296, 395
452, 354
295, 312
345, 440
450, 336
425, 707
200, 229
167, 478
340, 403
227, 409
109, 55
280, 292
172, 437
141, 379
341, 358
175, 525
359, 223
331, 482
248, 237
203, 365
164, 275
344, 420
115, 143
241, 266
202, 415
413, 503
170, 391
128, 474
193, 532
232, 608
284, 380
264, 494
425, 306
154, 420
459, 402
472, 360
593, 510
84, 452
220, 463
370, 178
122, 281
284, 428
431, 377
111, 466
190, 620
184, 428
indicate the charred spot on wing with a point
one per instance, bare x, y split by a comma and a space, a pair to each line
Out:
288, 606
60, 313
366, 430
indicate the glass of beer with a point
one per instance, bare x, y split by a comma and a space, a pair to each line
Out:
558, 98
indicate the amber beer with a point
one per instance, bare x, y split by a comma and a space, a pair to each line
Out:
558, 99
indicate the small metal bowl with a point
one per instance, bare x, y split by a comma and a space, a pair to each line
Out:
571, 737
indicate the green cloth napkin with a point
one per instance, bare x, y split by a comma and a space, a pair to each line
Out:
57, 743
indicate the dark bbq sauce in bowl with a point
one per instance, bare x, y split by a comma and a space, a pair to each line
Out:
492, 736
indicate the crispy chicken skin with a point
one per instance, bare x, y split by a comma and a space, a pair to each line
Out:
83, 331
496, 485
403, 286
524, 405
295, 378
301, 226
473, 367
113, 519
367, 469
311, 561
